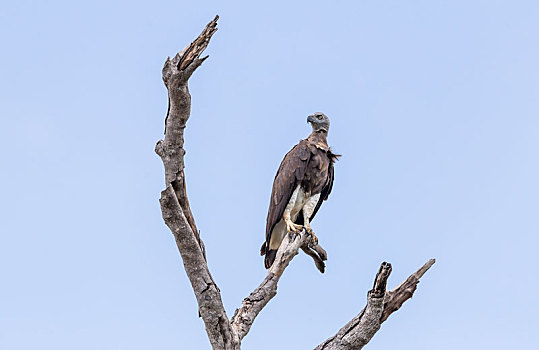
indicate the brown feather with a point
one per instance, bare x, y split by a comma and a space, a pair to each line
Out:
291, 173
309, 163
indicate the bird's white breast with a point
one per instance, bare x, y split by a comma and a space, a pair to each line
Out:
296, 203
300, 199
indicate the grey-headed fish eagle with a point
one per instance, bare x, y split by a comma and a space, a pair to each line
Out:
303, 181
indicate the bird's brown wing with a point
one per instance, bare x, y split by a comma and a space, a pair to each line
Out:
288, 177
329, 183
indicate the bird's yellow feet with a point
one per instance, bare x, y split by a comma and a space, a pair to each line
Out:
311, 232
314, 239
293, 228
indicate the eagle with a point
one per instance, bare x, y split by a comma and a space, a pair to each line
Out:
304, 180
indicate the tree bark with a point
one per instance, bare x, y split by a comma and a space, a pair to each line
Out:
380, 304
222, 332
174, 203
252, 305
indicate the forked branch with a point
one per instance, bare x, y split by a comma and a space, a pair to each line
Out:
176, 73
222, 332
380, 304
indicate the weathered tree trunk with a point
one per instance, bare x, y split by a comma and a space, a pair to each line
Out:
222, 332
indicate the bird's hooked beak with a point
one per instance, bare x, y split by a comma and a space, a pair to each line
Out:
311, 118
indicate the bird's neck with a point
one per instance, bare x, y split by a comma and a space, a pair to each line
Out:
319, 137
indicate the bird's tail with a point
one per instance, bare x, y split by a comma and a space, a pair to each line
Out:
270, 258
270, 255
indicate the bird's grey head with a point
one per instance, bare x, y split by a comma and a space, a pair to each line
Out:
319, 121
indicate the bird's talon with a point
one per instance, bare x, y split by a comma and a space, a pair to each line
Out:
291, 235
314, 239
291, 227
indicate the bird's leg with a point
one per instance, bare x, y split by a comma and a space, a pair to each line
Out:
291, 228
308, 210
307, 226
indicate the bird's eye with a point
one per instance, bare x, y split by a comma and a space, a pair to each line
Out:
319, 117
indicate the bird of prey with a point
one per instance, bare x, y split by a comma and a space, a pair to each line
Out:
303, 181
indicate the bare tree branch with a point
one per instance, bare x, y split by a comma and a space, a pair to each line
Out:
252, 305
176, 73
222, 332
318, 261
404, 291
380, 304
174, 202
207, 294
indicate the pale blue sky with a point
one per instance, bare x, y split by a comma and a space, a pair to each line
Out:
434, 107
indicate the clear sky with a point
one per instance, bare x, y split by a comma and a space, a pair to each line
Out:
434, 106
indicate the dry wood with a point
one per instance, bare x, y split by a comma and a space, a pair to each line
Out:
209, 301
380, 304
252, 305
174, 202
222, 332
176, 73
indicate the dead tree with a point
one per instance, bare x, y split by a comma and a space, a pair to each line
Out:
224, 332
